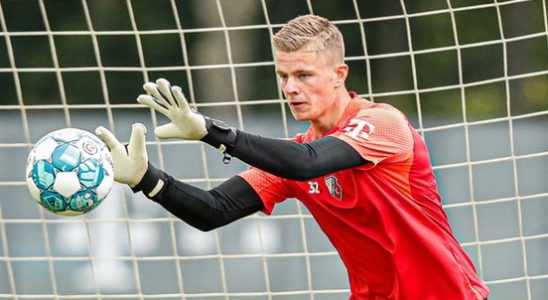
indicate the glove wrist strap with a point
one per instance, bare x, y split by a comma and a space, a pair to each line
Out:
221, 136
152, 183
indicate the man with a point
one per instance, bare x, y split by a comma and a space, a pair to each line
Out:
362, 171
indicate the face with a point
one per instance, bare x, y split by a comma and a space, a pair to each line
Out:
309, 80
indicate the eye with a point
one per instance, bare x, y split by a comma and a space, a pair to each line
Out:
282, 77
304, 76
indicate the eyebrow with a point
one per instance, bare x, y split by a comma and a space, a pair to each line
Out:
295, 72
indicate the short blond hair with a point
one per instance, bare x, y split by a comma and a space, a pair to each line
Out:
311, 31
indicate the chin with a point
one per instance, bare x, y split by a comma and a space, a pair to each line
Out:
300, 117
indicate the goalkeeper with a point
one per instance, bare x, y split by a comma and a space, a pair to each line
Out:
361, 170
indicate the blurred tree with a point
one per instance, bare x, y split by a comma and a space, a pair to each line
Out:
206, 43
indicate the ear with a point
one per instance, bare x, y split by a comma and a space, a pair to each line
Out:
341, 72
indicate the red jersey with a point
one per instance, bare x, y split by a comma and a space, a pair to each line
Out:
384, 217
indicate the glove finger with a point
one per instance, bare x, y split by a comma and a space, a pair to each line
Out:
152, 89
164, 87
149, 101
136, 145
166, 131
106, 136
181, 99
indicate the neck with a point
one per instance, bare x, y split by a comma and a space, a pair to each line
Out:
331, 117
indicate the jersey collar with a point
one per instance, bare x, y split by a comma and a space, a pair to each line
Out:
355, 104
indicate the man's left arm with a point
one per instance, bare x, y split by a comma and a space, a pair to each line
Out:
284, 158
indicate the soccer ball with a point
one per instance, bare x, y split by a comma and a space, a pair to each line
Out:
69, 171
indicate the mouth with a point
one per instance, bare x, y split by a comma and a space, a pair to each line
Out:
296, 103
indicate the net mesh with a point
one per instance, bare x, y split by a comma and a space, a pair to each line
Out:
472, 76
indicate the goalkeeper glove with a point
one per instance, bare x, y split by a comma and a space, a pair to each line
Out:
185, 122
131, 163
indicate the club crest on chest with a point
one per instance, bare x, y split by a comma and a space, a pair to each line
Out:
335, 190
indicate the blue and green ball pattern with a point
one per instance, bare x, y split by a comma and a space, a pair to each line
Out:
81, 157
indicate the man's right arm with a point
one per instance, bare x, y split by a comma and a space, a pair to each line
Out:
205, 210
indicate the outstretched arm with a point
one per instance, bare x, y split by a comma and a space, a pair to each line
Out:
205, 210
293, 160
283, 158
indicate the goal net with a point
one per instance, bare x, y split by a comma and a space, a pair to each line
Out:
472, 76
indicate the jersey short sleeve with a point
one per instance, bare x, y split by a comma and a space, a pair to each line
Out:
270, 188
378, 134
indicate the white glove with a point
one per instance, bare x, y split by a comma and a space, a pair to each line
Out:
129, 165
170, 101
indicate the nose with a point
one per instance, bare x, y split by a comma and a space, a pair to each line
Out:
290, 86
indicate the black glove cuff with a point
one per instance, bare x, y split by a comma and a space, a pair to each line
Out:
220, 135
152, 184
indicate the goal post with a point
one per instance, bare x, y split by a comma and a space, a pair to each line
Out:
472, 76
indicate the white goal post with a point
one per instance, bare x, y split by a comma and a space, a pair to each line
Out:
472, 76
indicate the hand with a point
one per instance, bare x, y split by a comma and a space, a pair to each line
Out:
130, 165
170, 101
